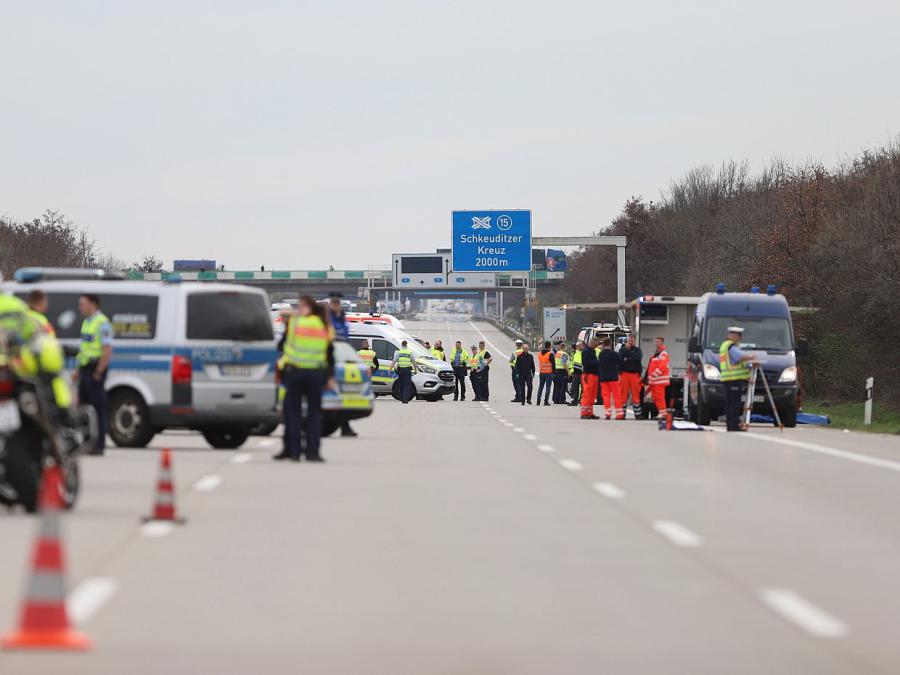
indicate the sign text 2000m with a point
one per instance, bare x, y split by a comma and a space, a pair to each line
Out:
491, 241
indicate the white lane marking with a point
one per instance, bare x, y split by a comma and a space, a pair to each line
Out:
519, 430
546, 448
826, 450
88, 597
570, 464
495, 413
450, 333
485, 338
266, 443
803, 613
208, 483
501, 420
609, 490
241, 458
156, 528
677, 533
530, 437
508, 424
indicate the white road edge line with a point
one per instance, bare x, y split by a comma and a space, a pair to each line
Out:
570, 464
530, 437
677, 533
802, 613
208, 483
609, 490
485, 338
156, 528
546, 448
241, 458
826, 450
88, 597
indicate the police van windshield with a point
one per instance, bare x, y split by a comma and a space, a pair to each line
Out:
228, 315
766, 333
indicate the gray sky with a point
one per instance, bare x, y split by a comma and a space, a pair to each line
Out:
303, 134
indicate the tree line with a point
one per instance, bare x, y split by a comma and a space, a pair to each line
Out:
828, 238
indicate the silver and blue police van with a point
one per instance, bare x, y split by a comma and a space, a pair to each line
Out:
186, 355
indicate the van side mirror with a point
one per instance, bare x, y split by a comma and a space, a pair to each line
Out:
802, 347
694, 345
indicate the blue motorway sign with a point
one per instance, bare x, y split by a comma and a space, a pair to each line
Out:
491, 241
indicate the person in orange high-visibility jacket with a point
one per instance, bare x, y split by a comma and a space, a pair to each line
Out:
657, 376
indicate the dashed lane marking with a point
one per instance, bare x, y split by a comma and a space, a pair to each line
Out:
208, 483
88, 597
508, 424
519, 430
799, 611
530, 437
570, 464
677, 533
546, 448
156, 528
609, 490
241, 458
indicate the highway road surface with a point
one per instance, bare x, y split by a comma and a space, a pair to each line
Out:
487, 538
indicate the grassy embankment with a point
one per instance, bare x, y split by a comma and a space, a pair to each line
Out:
850, 416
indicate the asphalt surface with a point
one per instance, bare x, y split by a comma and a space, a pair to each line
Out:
468, 538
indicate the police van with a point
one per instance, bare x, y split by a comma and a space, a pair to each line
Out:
195, 356
434, 378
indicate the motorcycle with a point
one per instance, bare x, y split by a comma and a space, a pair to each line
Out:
33, 432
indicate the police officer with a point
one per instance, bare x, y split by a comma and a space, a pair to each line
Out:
338, 321
474, 373
524, 368
560, 374
37, 309
368, 356
575, 386
735, 373
93, 358
515, 375
405, 365
438, 350
308, 364
459, 361
484, 373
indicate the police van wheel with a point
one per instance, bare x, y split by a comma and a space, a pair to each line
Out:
226, 438
329, 426
704, 413
129, 420
264, 429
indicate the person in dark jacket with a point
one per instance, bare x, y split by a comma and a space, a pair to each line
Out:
630, 377
590, 369
609, 365
524, 368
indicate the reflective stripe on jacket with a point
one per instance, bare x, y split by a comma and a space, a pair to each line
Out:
730, 372
306, 344
658, 368
91, 347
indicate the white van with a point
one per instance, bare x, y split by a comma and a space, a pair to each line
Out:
434, 378
185, 355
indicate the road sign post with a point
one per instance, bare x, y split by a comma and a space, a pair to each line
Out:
491, 241
870, 393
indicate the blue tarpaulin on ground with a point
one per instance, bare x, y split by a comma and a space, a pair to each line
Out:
802, 418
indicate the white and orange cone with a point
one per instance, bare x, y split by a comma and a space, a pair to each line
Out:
164, 505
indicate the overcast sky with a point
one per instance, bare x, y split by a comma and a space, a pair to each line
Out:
305, 134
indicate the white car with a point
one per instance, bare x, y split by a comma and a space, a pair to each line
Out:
434, 378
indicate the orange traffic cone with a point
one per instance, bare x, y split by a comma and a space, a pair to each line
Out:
164, 508
669, 415
44, 623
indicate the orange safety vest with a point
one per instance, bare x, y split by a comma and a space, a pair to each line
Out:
658, 368
544, 358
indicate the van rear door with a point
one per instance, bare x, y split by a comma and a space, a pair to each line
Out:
231, 349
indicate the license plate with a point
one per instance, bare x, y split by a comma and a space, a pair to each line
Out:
9, 417
237, 371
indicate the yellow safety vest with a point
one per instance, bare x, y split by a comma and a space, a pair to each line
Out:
368, 356
729, 372
437, 353
513, 357
576, 359
473, 361
404, 358
561, 359
91, 347
464, 357
306, 346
